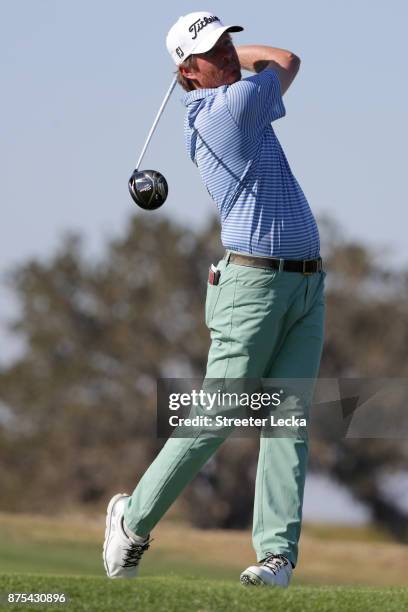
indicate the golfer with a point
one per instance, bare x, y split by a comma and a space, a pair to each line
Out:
265, 298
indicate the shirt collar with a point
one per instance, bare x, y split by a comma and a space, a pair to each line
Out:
199, 94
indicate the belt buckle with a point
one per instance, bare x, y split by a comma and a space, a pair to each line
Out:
305, 261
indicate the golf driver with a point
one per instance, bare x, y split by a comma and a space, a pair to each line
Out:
148, 188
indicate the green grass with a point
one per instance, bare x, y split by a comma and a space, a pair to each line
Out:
71, 545
85, 559
187, 570
69, 558
174, 594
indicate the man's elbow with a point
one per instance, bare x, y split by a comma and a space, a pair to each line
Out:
294, 65
291, 63
287, 75
295, 60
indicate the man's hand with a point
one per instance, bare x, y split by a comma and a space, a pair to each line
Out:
256, 58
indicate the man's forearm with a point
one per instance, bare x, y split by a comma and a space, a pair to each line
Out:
256, 57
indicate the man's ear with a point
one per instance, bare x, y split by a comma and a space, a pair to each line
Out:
186, 73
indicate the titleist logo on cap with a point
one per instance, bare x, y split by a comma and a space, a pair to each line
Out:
198, 25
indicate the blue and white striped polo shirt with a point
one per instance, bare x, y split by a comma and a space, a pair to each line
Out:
230, 138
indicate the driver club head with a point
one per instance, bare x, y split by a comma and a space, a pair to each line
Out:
148, 189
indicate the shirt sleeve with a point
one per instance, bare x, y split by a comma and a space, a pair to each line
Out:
256, 101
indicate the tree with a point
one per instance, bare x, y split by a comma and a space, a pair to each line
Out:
81, 401
79, 407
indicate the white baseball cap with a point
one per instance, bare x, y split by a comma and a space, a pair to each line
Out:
195, 33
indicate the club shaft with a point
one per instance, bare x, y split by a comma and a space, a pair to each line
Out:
156, 121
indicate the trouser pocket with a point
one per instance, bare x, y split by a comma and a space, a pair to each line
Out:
213, 292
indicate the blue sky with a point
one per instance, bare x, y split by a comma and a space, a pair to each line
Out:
82, 82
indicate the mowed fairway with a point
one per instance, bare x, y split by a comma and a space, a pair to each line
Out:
187, 569
175, 594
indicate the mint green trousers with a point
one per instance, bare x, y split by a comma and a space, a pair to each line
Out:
263, 324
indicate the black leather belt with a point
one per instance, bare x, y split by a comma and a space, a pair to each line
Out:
304, 266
